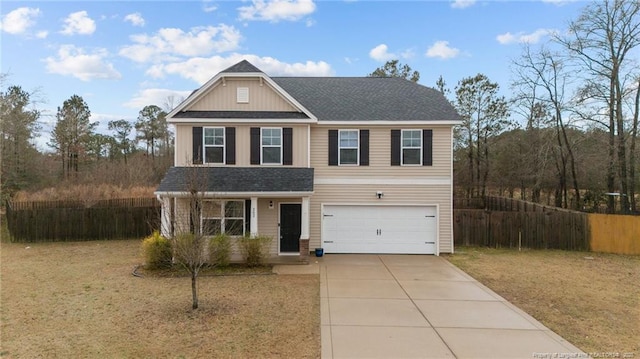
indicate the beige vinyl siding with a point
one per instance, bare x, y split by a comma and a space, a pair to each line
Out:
262, 97
380, 154
184, 142
393, 195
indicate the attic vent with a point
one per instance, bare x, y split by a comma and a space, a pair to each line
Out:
243, 95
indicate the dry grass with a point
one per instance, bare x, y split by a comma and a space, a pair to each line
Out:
590, 299
87, 192
79, 299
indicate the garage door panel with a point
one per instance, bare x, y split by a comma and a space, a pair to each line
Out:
379, 229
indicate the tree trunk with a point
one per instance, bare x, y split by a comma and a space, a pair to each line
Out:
632, 152
622, 157
194, 289
611, 172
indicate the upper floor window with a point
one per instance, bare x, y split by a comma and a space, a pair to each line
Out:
411, 147
271, 142
348, 147
213, 144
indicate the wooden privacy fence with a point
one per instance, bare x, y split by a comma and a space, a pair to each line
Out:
612, 233
536, 230
82, 220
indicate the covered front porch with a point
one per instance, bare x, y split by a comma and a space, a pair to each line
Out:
247, 201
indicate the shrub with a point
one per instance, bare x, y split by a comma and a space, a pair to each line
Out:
254, 249
190, 249
220, 250
156, 250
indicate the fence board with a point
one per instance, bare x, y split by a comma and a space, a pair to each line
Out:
80, 220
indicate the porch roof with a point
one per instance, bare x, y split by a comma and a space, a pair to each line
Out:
236, 180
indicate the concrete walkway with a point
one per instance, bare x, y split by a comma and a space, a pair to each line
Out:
402, 306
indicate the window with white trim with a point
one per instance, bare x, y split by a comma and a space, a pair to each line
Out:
271, 145
222, 217
348, 147
213, 144
411, 147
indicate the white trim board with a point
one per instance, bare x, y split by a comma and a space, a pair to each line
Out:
435, 181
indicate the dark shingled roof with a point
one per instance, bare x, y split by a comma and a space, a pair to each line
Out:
368, 99
238, 179
242, 66
242, 114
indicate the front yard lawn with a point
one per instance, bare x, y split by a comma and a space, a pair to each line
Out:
79, 299
590, 299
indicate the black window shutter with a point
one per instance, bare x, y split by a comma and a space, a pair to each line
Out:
287, 144
427, 147
333, 147
197, 145
255, 145
247, 216
395, 147
230, 145
364, 147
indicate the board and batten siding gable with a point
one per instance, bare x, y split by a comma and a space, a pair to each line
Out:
223, 97
380, 154
184, 142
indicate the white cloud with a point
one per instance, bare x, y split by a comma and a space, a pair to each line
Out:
200, 69
135, 19
207, 6
74, 61
42, 34
521, 37
381, 53
172, 43
462, 4
276, 10
78, 23
19, 20
442, 50
155, 96
310, 22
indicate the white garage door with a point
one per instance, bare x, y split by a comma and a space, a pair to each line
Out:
379, 229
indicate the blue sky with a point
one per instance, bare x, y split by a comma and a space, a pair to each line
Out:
122, 55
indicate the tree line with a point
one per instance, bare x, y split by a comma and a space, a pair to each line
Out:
131, 154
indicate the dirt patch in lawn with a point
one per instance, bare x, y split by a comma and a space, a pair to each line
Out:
590, 299
80, 300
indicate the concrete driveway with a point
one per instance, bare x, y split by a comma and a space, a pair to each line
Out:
401, 306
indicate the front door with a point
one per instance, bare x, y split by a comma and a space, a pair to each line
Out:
290, 218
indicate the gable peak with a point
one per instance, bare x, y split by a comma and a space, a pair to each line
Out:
242, 66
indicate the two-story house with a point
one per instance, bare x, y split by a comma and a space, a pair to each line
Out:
348, 164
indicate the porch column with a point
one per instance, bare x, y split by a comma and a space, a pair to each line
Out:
253, 222
304, 230
165, 217
304, 225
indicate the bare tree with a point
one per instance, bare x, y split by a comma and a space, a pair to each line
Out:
601, 40
484, 115
543, 76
